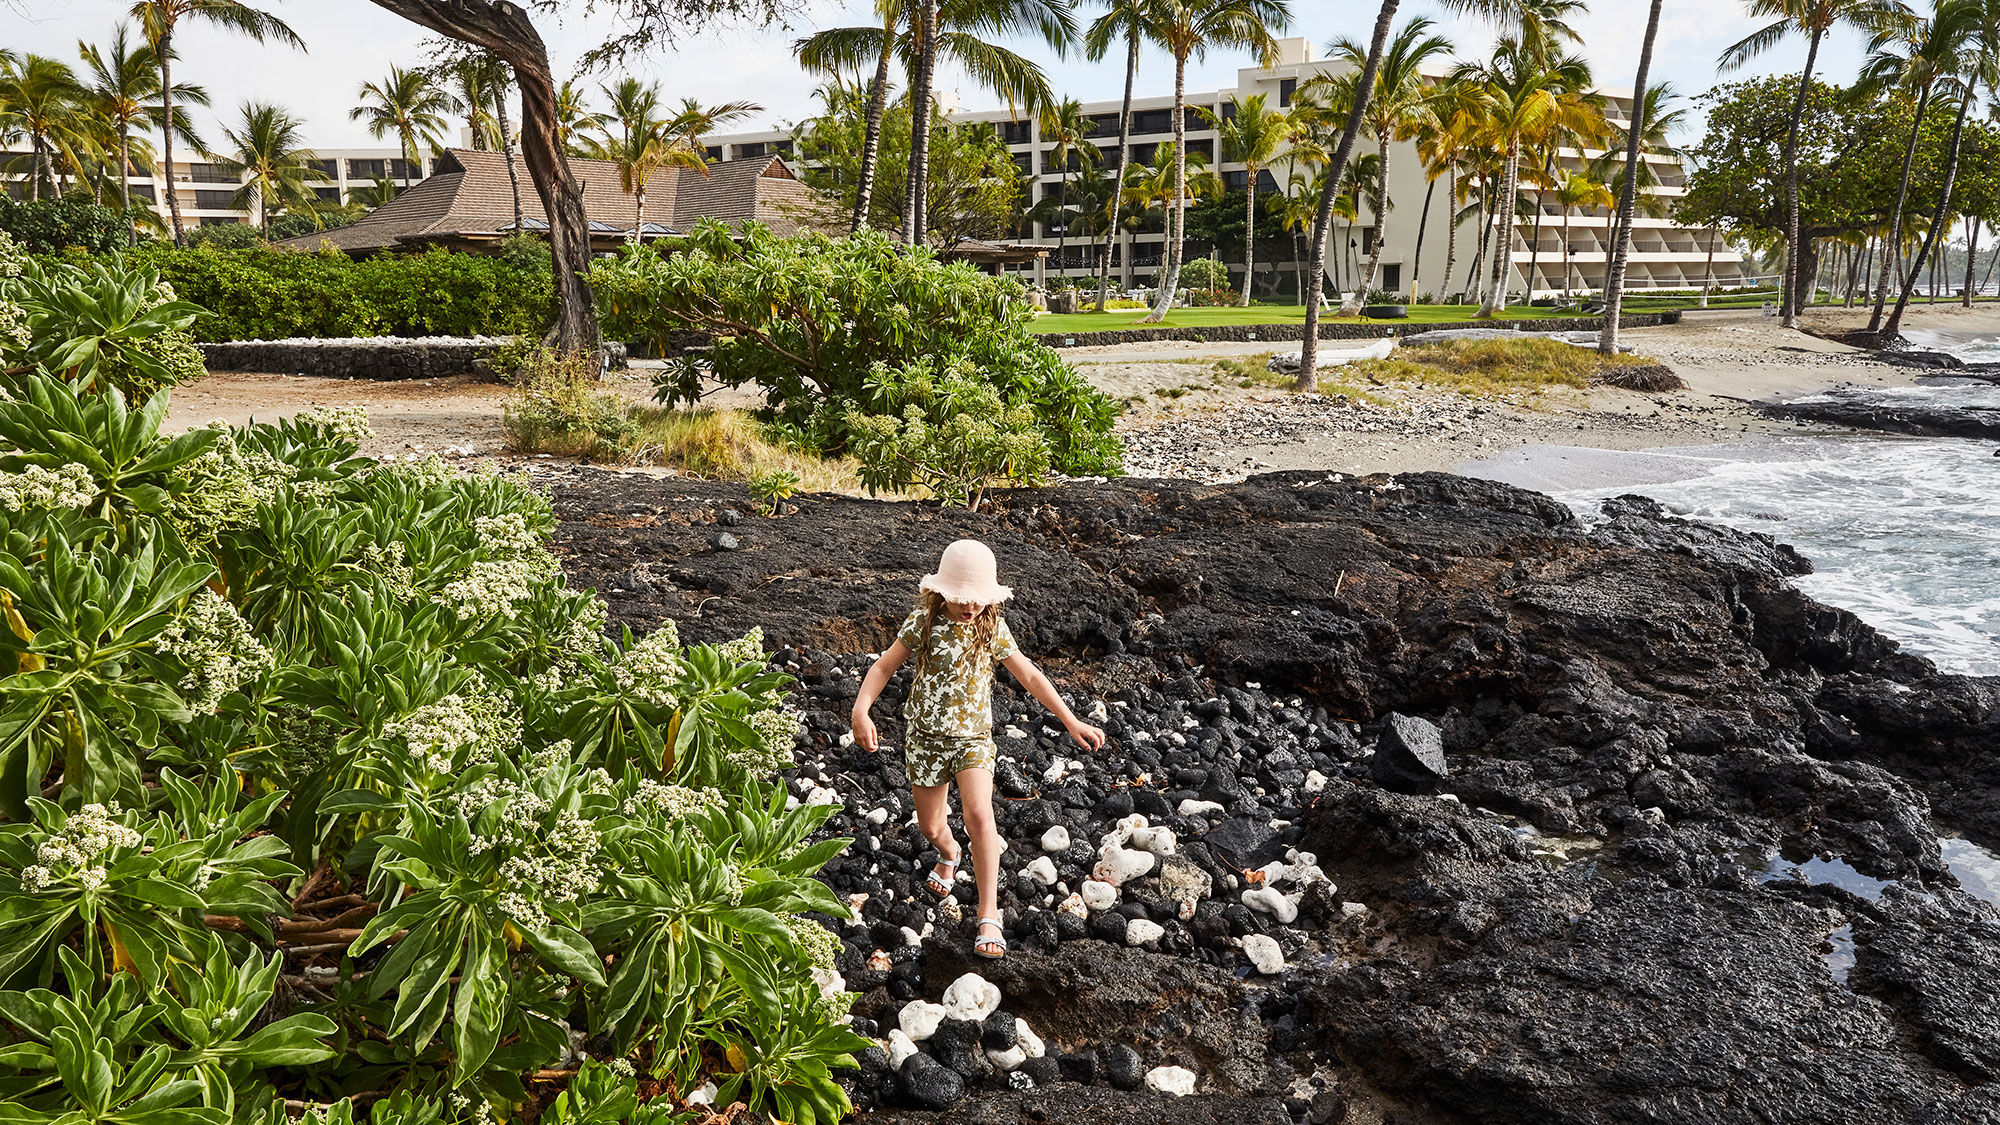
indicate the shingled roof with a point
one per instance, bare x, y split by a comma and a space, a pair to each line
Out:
469, 201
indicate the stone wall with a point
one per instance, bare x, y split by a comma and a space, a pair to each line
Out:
1338, 330
379, 357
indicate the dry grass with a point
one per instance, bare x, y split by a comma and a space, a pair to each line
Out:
1492, 368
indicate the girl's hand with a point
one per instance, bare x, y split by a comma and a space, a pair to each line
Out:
864, 733
1087, 736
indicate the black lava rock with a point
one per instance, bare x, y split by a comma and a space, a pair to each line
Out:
929, 1084
998, 1032
1123, 1067
1081, 1067
1410, 756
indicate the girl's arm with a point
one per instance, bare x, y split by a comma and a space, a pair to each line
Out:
871, 686
1038, 685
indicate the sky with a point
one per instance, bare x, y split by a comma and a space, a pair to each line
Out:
352, 41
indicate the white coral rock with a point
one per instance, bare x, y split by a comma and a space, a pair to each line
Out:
1056, 839
1192, 807
1042, 870
1026, 1039
1099, 895
1118, 866
1074, 905
1008, 1060
919, 1019
899, 1048
1283, 907
1264, 953
971, 997
1142, 930
1175, 1080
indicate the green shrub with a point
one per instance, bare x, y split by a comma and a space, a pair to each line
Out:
1201, 273
270, 705
809, 319
225, 236
946, 431
266, 294
105, 320
53, 226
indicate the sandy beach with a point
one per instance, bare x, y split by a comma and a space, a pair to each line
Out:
1187, 417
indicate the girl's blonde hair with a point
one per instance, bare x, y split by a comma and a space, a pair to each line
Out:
984, 628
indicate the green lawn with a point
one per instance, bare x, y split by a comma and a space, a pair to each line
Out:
1255, 314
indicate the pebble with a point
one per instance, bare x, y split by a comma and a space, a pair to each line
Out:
899, 1047
1099, 895
1175, 1080
1118, 866
971, 997
1042, 871
1141, 931
1264, 953
1279, 906
723, 541
1192, 807
929, 1083
919, 1019
1123, 1066
1056, 839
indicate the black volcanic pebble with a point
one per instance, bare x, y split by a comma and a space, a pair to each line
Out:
1043, 1070
1041, 930
929, 1084
1080, 1067
1070, 927
1123, 1067
1109, 926
956, 1045
998, 1032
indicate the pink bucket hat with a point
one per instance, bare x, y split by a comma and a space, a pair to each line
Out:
968, 573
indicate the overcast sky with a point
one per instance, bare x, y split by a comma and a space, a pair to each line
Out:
350, 41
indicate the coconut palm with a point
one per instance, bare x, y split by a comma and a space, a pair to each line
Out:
1577, 191
841, 49
1918, 58
1543, 25
481, 83
1066, 129
1252, 135
573, 117
161, 20
1121, 21
410, 104
1811, 19
1294, 209
1399, 108
265, 152
1188, 29
125, 92
42, 100
1168, 180
1442, 149
642, 137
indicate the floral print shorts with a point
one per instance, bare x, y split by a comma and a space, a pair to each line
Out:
934, 759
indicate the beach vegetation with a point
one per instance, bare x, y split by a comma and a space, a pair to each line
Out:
1490, 368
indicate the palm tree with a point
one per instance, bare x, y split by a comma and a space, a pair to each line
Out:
1399, 109
1577, 191
124, 92
1811, 19
1252, 134
642, 138
1167, 179
161, 19
1525, 99
1974, 30
410, 104
265, 152
1065, 126
1442, 148
573, 117
483, 81
1186, 29
1122, 19
41, 99
840, 49
1294, 209
1543, 26
1918, 57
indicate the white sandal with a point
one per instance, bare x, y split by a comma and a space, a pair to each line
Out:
1000, 941
941, 885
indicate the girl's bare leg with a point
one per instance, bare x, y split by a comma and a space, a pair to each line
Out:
933, 818
975, 799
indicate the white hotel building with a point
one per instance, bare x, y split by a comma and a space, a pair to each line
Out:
1665, 255
206, 191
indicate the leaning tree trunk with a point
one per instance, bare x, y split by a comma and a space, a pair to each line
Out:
1423, 224
1790, 311
1118, 184
1628, 193
1894, 328
1451, 232
1896, 216
1170, 275
1358, 296
1249, 235
1503, 234
871, 141
505, 30
124, 186
1335, 172
915, 221
507, 150
166, 52
1971, 256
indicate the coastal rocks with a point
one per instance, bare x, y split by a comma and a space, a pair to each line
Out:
1931, 412
1646, 378
971, 998
929, 1083
1175, 1080
1264, 953
1410, 757
1056, 839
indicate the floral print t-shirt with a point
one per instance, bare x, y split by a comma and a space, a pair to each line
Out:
952, 697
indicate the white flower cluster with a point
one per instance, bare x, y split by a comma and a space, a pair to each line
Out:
506, 534
35, 487
461, 729
218, 648
223, 487
493, 588
673, 802
11, 256
14, 335
390, 563
818, 943
78, 849
746, 648
653, 668
547, 861
777, 730
341, 423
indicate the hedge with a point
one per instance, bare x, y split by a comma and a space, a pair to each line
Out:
264, 294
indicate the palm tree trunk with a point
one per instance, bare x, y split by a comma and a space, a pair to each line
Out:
1896, 216
1298, 268
166, 52
1788, 302
1385, 17
1118, 184
1708, 271
507, 152
1451, 232
871, 142
1972, 225
1485, 228
124, 186
1992, 260
638, 209
1628, 194
1894, 328
915, 222
1170, 277
1503, 234
1249, 235
1569, 260
1359, 296
1423, 223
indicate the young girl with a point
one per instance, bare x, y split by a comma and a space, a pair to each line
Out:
957, 636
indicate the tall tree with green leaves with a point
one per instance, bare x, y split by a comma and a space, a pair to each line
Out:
410, 104
837, 50
42, 99
266, 151
1122, 21
641, 136
1812, 20
162, 20
1067, 129
1399, 109
125, 93
1252, 135
1971, 32
1186, 30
